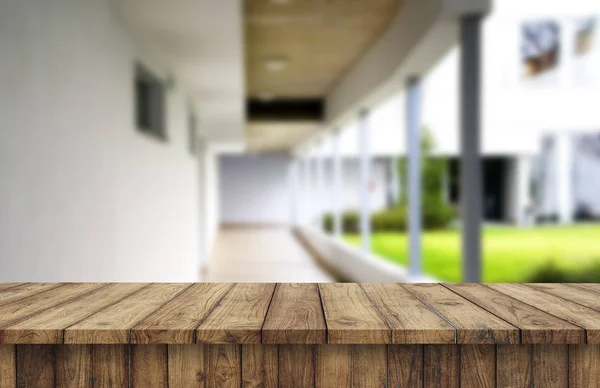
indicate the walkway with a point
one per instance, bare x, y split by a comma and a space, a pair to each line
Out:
261, 255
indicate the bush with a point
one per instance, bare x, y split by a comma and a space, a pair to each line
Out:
551, 273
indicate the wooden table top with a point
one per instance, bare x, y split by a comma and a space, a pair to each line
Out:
305, 313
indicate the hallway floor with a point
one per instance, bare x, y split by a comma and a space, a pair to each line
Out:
261, 255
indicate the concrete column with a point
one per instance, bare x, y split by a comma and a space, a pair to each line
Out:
365, 178
471, 180
521, 206
413, 147
337, 192
564, 178
320, 192
293, 183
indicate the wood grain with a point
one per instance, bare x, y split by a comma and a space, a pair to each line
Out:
405, 366
551, 366
260, 366
584, 366
186, 366
35, 366
474, 325
584, 297
295, 316
110, 366
47, 328
74, 366
350, 316
537, 327
478, 366
23, 291
239, 317
369, 365
334, 366
148, 366
412, 322
296, 366
8, 366
572, 312
26, 308
441, 366
176, 321
514, 366
4, 286
112, 324
594, 287
223, 367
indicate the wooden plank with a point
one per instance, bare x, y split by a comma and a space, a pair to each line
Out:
296, 366
369, 365
74, 366
35, 366
112, 324
441, 366
186, 366
412, 322
176, 321
584, 366
572, 312
474, 325
478, 366
8, 366
584, 297
223, 367
405, 366
4, 286
514, 366
148, 366
334, 366
47, 328
239, 317
350, 316
551, 366
537, 327
260, 366
110, 366
594, 287
23, 291
27, 307
295, 316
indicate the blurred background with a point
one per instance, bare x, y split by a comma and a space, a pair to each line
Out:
300, 140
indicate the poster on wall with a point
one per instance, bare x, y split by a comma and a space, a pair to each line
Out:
540, 47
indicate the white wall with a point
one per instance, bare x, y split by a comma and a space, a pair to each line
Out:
85, 197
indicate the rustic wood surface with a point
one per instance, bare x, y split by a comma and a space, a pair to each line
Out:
308, 313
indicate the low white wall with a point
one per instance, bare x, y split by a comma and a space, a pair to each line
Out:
86, 197
351, 263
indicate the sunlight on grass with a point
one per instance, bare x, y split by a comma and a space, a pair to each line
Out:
510, 254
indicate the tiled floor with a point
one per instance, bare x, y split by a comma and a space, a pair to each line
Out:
261, 255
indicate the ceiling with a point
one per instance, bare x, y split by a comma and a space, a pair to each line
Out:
319, 39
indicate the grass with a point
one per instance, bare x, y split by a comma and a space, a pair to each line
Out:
509, 254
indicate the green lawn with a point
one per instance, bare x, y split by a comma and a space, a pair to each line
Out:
510, 254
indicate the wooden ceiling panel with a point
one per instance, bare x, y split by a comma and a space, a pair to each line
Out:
319, 39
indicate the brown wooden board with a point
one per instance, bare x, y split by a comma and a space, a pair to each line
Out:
478, 366
584, 297
572, 312
514, 366
260, 366
412, 322
474, 324
176, 322
47, 328
186, 366
223, 366
334, 366
537, 327
584, 366
296, 366
441, 366
551, 366
74, 366
369, 365
350, 316
148, 366
36, 366
295, 316
8, 366
405, 366
12, 294
110, 366
111, 325
239, 317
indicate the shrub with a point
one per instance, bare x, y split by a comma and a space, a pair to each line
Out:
551, 273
